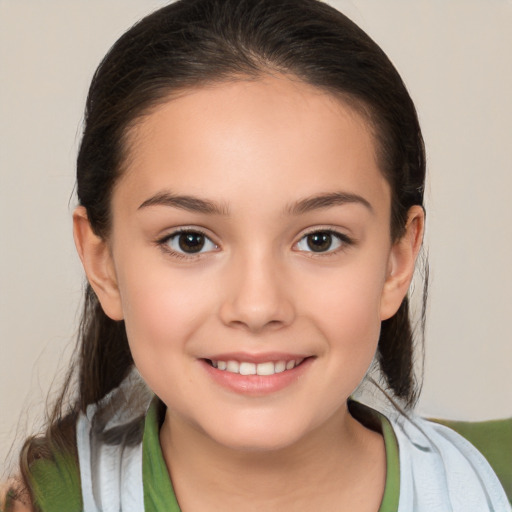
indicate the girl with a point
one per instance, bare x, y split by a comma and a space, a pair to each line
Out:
250, 182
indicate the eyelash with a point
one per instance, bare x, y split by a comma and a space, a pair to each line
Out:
163, 243
343, 240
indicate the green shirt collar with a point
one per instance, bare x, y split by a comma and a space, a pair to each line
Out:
158, 492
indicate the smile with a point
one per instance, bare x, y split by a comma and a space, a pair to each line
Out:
257, 375
248, 368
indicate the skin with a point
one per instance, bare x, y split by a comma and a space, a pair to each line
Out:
16, 505
256, 149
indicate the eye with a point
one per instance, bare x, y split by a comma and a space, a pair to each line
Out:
189, 242
322, 241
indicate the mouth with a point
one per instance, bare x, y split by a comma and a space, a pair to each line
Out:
257, 375
265, 368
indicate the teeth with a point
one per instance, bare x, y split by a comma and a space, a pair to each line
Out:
280, 366
233, 367
245, 368
266, 368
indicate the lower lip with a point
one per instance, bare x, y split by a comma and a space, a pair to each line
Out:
257, 385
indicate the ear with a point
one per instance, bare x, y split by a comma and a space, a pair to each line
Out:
98, 264
402, 260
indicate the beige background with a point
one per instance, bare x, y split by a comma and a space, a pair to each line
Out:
455, 57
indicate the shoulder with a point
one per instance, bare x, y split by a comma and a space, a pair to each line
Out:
493, 439
56, 483
438, 465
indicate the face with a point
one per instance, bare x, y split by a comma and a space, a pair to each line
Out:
251, 258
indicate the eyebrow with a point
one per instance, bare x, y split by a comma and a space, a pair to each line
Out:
321, 201
184, 202
206, 206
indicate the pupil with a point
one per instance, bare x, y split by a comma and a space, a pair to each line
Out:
191, 242
319, 242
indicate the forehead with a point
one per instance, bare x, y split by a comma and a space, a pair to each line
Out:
250, 138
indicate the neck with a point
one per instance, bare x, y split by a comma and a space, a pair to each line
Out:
339, 463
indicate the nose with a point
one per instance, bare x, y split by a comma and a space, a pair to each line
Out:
257, 296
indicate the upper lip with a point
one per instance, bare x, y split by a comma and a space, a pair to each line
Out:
256, 358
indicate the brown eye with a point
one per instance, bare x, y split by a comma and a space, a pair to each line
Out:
322, 241
319, 242
188, 242
191, 242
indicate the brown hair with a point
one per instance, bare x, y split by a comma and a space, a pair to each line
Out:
194, 42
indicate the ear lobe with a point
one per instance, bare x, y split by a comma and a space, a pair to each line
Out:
402, 262
97, 261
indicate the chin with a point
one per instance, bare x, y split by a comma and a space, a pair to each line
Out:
262, 444
260, 435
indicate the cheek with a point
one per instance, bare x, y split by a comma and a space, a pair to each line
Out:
346, 307
162, 309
